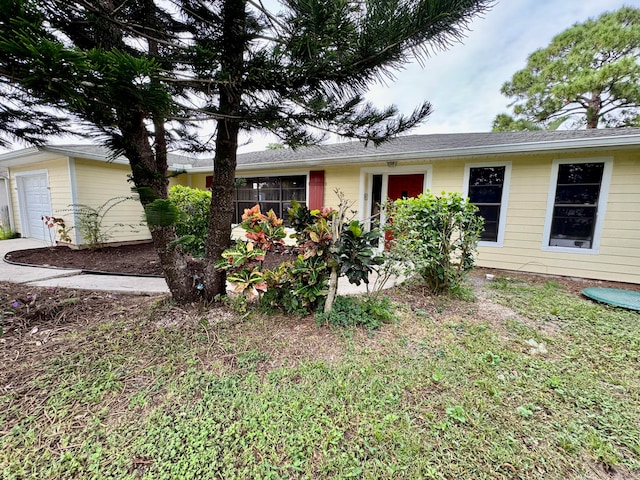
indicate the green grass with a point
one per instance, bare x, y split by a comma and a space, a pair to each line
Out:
442, 393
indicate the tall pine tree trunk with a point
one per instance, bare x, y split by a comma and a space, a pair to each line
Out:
149, 171
228, 128
221, 207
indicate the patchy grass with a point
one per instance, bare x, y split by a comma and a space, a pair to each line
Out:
527, 381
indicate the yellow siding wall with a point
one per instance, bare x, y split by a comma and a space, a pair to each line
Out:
618, 258
99, 182
448, 176
182, 179
346, 179
59, 187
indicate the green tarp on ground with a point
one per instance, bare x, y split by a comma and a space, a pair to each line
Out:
614, 296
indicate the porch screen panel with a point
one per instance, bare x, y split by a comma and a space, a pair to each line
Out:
271, 193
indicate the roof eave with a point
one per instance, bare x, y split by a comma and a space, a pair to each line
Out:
618, 142
44, 153
87, 156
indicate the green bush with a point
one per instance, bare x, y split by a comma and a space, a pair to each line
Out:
369, 312
194, 217
298, 287
7, 234
438, 236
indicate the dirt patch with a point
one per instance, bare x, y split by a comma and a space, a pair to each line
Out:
573, 285
42, 323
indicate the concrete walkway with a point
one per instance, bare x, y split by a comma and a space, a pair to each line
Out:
53, 277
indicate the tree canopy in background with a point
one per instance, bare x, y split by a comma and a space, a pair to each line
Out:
143, 75
590, 74
507, 123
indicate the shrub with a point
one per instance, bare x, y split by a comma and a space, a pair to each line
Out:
438, 236
91, 222
327, 247
298, 287
56, 226
369, 312
193, 222
243, 262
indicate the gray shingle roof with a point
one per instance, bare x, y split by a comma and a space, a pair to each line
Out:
404, 147
434, 143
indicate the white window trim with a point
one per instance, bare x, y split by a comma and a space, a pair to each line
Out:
366, 178
22, 208
502, 221
600, 209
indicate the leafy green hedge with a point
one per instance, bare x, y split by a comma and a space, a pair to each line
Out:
194, 217
438, 236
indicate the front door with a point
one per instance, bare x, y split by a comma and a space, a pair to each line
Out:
403, 186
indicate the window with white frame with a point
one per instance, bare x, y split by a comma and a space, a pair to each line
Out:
487, 188
577, 205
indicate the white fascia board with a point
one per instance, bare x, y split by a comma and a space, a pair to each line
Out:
11, 159
87, 156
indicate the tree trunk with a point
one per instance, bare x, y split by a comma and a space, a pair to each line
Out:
149, 171
221, 208
333, 290
228, 127
593, 110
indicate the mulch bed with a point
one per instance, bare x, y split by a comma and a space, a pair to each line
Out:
134, 259
139, 258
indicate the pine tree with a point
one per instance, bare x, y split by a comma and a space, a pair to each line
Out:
145, 74
590, 72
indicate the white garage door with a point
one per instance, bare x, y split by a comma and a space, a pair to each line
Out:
34, 203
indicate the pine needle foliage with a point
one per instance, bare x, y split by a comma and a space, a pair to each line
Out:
150, 76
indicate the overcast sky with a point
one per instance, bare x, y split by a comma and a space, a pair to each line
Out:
463, 83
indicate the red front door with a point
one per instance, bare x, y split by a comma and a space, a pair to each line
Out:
403, 186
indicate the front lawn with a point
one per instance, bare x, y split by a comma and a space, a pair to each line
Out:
524, 380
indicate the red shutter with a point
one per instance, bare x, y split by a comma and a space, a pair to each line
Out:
316, 189
209, 181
